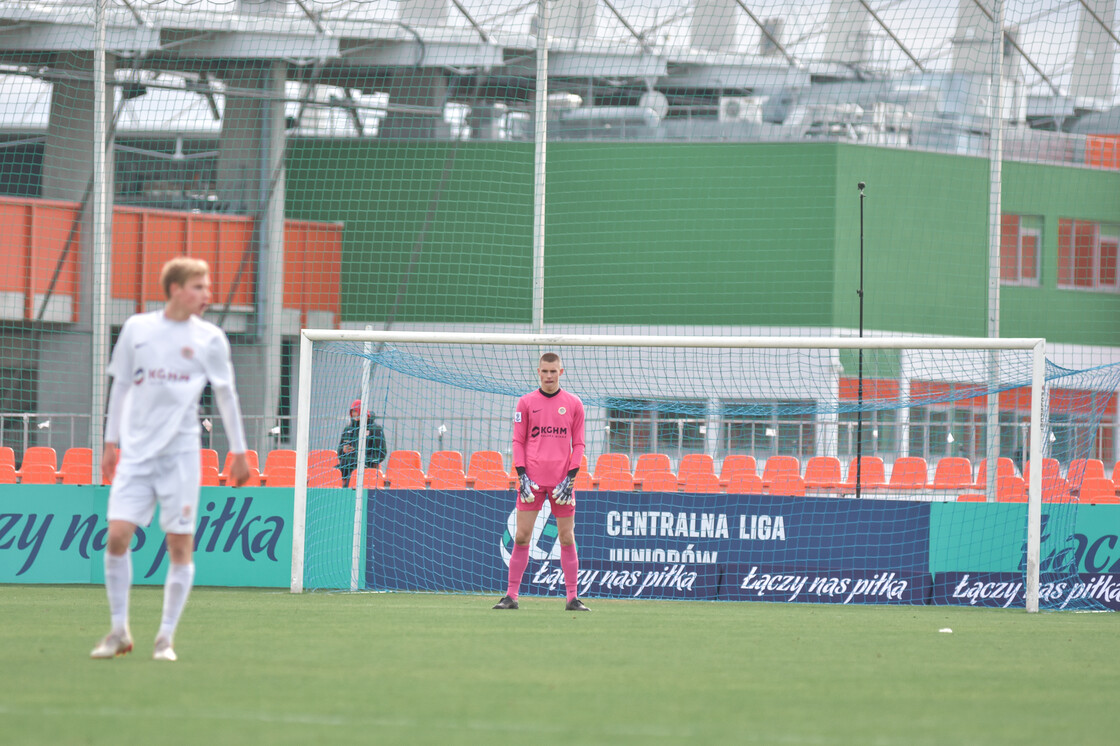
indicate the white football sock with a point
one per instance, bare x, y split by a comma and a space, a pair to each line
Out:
118, 583
180, 579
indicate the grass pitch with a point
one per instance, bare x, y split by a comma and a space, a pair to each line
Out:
266, 667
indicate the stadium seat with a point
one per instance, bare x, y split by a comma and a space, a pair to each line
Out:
1098, 491
744, 483
823, 473
1050, 469
7, 474
1055, 490
1011, 490
445, 460
485, 461
650, 462
776, 466
77, 474
254, 478
789, 485
700, 482
372, 478
331, 478
583, 481
77, 466
447, 478
736, 463
1116, 474
7, 456
659, 481
1005, 467
250, 456
320, 461
617, 481
280, 457
909, 473
695, 463
1080, 468
38, 473
609, 462
209, 457
406, 478
487, 479
971, 497
403, 458
872, 473
40, 455
279, 476
209, 476
951, 473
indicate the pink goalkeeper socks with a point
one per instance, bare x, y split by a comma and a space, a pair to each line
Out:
518, 560
569, 563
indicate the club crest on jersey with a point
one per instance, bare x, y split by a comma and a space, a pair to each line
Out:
138, 377
562, 410
517, 417
187, 352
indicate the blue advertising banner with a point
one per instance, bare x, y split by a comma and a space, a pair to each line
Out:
1005, 589
659, 545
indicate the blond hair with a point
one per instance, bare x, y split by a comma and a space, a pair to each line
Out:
180, 269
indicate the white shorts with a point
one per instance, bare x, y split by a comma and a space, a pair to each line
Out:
171, 480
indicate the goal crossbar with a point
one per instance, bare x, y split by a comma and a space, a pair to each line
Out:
1037, 347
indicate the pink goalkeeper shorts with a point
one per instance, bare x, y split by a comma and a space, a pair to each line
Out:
542, 494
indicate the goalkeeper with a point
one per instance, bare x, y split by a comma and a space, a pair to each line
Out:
547, 450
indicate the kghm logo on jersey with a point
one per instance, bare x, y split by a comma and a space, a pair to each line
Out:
548, 430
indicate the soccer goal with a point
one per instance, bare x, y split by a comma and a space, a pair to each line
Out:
825, 469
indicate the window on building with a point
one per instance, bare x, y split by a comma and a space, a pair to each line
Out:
768, 428
1087, 255
655, 426
1020, 245
880, 433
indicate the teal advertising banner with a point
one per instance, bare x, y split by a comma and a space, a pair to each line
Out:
56, 534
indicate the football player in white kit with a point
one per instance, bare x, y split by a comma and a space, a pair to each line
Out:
160, 366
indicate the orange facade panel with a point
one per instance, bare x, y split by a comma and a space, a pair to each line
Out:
39, 242
1102, 151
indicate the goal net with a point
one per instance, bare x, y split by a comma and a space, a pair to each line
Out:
784, 469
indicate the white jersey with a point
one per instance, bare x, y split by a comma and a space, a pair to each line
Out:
166, 365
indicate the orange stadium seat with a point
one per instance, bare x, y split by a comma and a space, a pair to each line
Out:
209, 476
250, 456
279, 476
485, 461
372, 478
209, 457
790, 485
447, 479
38, 473
1005, 467
776, 466
40, 455
1098, 491
7, 474
823, 473
872, 473
659, 481
971, 497
617, 481
650, 462
7, 456
700, 482
406, 478
744, 483
609, 462
1055, 490
695, 463
736, 463
1116, 474
77, 466
1011, 490
487, 479
909, 473
1050, 469
325, 478
279, 457
1080, 468
583, 480
319, 461
445, 460
402, 458
952, 472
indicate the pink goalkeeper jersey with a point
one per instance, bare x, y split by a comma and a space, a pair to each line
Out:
548, 435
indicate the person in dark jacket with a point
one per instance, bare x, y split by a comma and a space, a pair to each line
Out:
376, 450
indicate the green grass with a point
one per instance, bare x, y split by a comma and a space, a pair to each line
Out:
267, 667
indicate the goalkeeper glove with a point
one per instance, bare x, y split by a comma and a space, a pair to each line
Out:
526, 487
562, 493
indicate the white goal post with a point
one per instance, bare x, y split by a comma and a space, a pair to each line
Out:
309, 337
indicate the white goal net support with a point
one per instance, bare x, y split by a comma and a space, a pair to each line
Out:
824, 469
